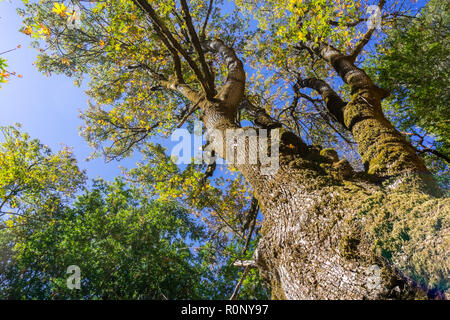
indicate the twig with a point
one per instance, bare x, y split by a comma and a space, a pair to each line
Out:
205, 23
198, 47
239, 284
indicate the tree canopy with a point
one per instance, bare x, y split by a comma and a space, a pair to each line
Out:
126, 244
32, 177
126, 248
295, 65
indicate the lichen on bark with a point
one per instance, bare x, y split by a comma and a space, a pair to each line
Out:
355, 224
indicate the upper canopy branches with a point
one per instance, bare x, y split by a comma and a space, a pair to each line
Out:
232, 91
204, 75
146, 60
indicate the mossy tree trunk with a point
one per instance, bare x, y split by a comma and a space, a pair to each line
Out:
332, 233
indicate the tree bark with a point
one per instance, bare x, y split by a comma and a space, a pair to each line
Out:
330, 233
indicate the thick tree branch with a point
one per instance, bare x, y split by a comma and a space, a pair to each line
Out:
365, 39
232, 91
261, 117
162, 82
355, 77
188, 113
382, 148
360, 45
239, 284
335, 104
182, 88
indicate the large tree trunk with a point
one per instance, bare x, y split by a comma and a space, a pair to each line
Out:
332, 233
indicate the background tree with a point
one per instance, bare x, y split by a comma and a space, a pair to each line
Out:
127, 245
34, 182
153, 66
32, 178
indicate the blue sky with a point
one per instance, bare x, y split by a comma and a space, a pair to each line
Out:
47, 107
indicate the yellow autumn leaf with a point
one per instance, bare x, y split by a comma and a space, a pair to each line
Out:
301, 36
60, 9
27, 30
65, 61
44, 30
9, 223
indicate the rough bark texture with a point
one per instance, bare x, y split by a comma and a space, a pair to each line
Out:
332, 233
327, 230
